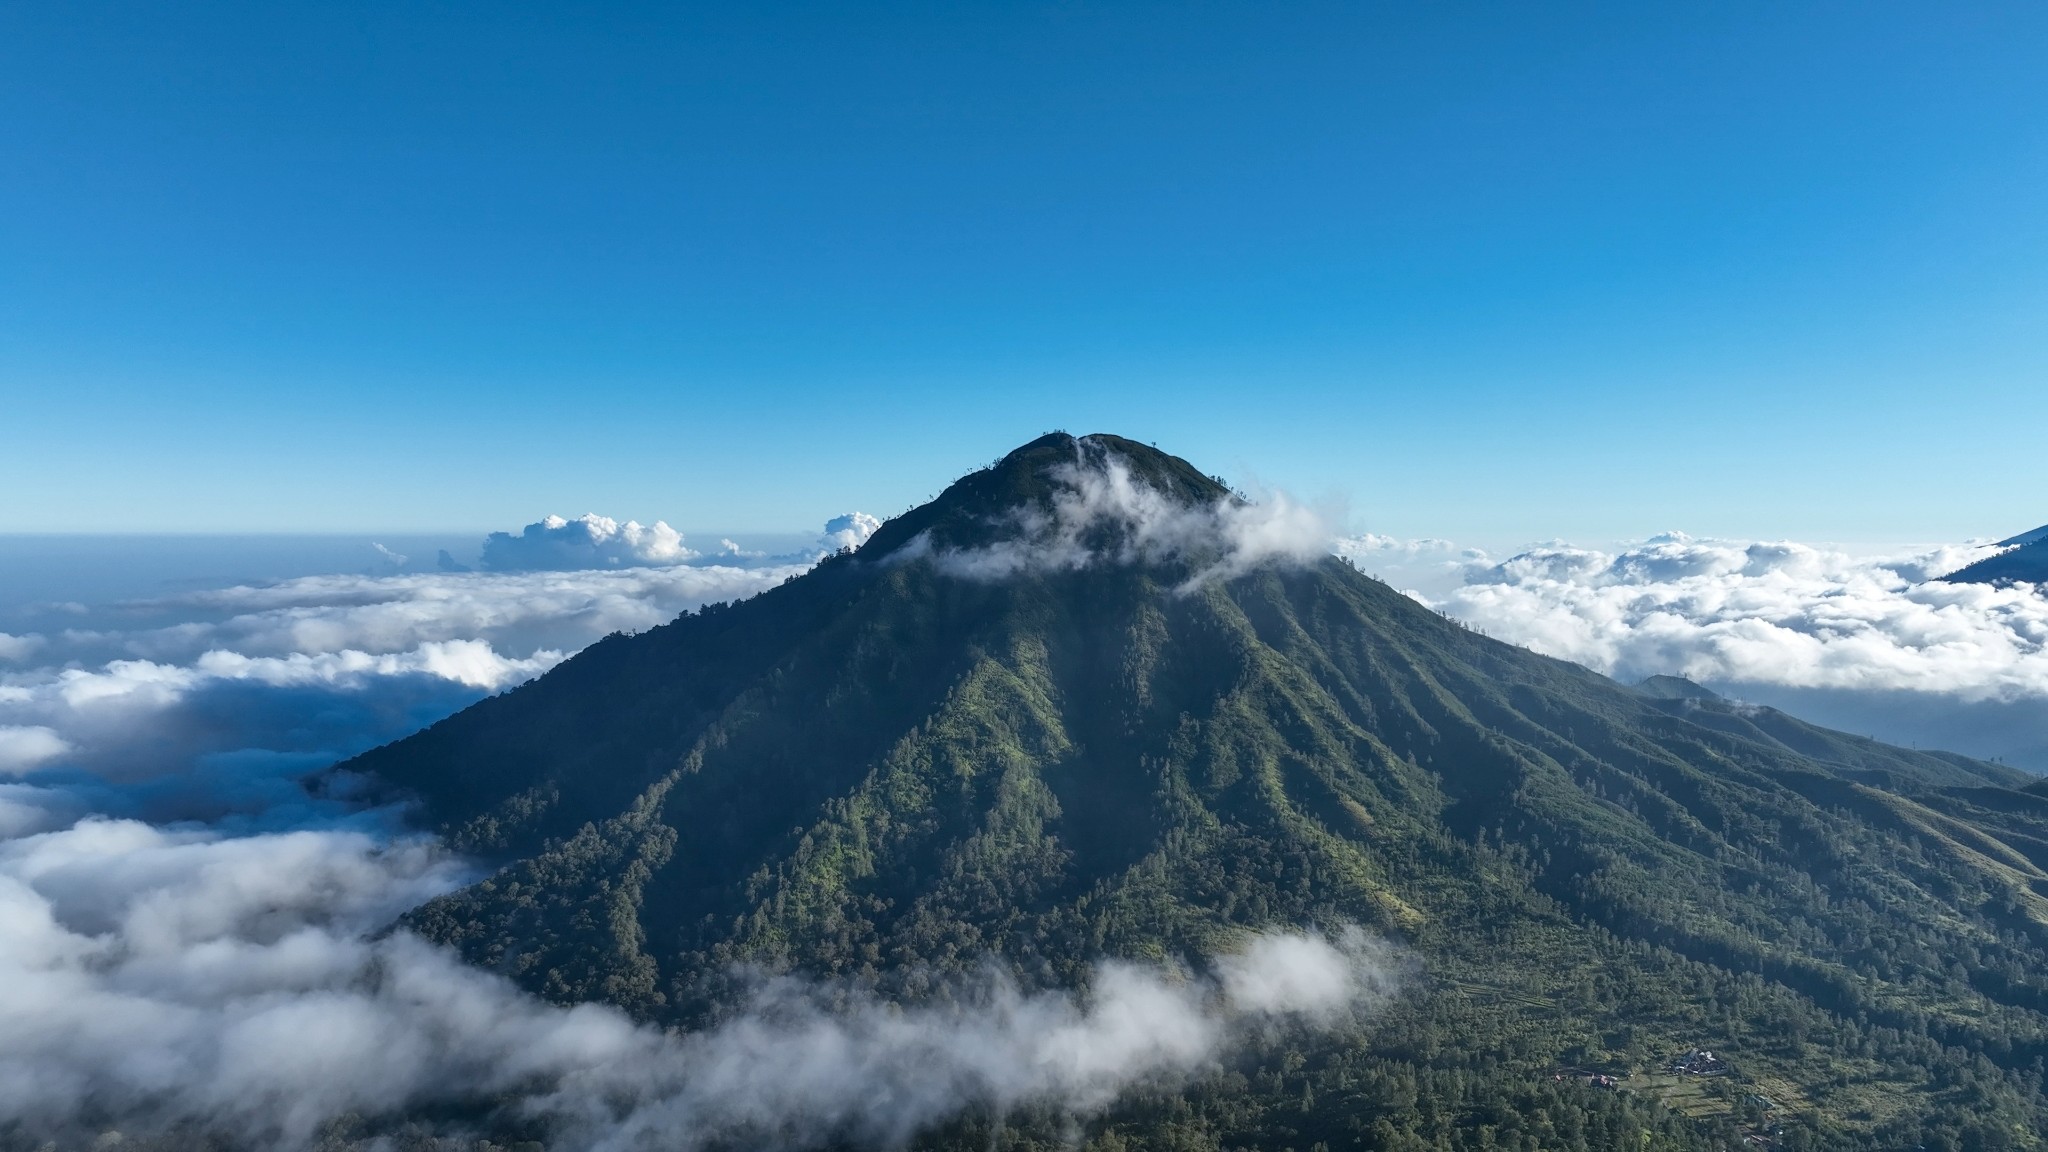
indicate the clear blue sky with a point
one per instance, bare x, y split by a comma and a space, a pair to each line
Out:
1490, 272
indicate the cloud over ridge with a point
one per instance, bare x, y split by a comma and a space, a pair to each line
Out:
1101, 513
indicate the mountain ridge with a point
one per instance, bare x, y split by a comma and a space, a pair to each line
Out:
2025, 560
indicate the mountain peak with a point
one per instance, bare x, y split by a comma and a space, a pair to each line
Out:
987, 503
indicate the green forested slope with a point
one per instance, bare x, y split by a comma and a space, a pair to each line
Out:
882, 771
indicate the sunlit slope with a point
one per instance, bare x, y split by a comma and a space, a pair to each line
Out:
885, 769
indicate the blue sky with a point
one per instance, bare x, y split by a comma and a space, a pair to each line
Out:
1488, 272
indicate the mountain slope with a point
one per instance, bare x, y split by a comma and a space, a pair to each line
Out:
1071, 709
2025, 560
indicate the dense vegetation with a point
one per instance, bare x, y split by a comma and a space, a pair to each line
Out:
883, 773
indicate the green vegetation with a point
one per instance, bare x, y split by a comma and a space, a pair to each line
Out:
881, 773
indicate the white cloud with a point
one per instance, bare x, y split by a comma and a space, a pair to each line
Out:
1102, 514
24, 747
849, 531
322, 667
792, 1072
1428, 566
468, 662
1768, 613
19, 647
514, 611
589, 541
158, 978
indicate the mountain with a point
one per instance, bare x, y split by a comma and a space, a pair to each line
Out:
2024, 561
1674, 688
1089, 703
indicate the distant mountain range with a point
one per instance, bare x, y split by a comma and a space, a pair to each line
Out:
1025, 724
2026, 561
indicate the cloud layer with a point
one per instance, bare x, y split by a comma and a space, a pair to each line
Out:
1103, 514
226, 695
1875, 644
152, 979
1777, 613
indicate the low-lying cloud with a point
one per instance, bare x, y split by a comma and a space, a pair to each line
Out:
320, 666
155, 981
1876, 644
226, 696
1103, 514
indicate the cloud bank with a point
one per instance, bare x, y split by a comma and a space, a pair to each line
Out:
1102, 514
1778, 613
226, 696
157, 981
398, 648
1875, 644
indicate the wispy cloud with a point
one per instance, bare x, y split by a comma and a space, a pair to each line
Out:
1103, 514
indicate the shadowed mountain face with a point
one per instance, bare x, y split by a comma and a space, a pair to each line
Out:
1083, 705
2025, 562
